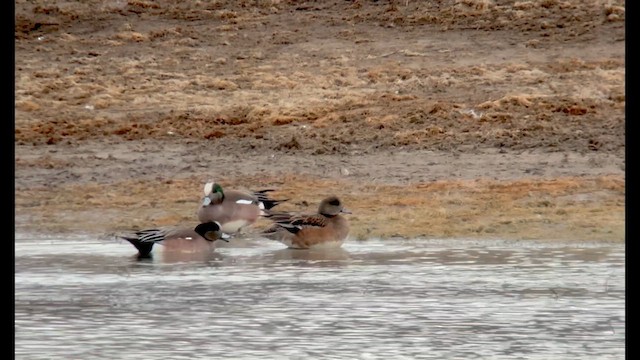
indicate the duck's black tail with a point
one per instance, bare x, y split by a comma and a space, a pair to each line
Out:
144, 248
266, 200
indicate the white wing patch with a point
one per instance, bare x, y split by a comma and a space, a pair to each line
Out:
243, 201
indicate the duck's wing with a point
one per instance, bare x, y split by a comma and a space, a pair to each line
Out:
265, 200
143, 240
152, 235
296, 223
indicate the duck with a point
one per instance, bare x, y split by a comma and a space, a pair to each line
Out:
325, 229
234, 209
176, 239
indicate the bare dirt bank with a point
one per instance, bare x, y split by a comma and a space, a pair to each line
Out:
482, 119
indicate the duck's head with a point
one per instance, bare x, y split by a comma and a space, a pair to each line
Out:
213, 193
211, 231
332, 206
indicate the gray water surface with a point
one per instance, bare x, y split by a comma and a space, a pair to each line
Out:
83, 298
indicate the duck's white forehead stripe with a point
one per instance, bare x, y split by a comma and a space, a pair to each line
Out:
208, 187
243, 201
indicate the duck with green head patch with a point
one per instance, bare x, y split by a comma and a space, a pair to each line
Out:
234, 209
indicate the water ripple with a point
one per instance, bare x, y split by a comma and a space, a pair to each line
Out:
417, 299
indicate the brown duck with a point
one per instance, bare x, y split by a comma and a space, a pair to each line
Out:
326, 228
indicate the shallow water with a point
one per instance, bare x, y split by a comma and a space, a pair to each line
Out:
87, 299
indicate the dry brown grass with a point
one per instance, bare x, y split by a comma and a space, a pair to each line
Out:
558, 209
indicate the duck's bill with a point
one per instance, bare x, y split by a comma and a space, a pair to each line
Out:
345, 211
206, 201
